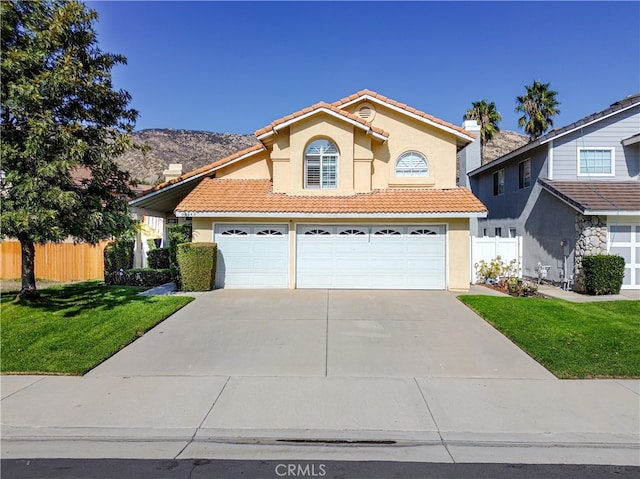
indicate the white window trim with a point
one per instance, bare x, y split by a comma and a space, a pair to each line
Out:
613, 160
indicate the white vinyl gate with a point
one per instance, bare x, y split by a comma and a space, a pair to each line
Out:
486, 248
371, 257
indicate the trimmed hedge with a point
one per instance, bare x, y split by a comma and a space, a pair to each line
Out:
118, 255
158, 258
138, 277
197, 263
177, 234
603, 274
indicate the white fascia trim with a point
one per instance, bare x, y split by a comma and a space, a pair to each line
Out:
234, 214
631, 141
590, 123
329, 112
409, 114
166, 188
611, 213
192, 178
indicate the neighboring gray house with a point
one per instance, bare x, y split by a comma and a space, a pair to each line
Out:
575, 191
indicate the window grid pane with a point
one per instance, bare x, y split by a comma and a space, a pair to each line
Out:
412, 164
595, 161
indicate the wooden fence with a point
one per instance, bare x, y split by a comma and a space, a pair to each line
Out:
55, 261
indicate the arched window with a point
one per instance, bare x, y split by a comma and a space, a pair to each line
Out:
412, 163
321, 165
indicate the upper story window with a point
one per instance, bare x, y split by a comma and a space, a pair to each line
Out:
321, 165
524, 174
596, 161
498, 183
412, 163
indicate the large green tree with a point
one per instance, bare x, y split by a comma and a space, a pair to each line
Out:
538, 106
487, 117
63, 123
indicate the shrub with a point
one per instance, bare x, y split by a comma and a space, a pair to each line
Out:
197, 266
495, 269
519, 287
603, 274
139, 277
118, 255
158, 258
177, 234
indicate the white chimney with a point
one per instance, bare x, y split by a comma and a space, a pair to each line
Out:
471, 155
174, 171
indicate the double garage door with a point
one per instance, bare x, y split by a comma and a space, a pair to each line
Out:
330, 256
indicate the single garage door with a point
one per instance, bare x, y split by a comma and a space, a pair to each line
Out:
252, 256
624, 240
371, 257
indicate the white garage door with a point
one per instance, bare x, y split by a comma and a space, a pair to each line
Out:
624, 241
371, 257
252, 256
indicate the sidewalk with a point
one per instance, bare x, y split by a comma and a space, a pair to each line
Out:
558, 293
508, 418
413, 419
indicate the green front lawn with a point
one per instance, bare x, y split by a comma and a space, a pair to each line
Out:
572, 340
75, 327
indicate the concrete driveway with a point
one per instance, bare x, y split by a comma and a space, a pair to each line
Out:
334, 333
323, 375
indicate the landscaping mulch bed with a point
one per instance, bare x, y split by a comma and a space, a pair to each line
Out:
505, 290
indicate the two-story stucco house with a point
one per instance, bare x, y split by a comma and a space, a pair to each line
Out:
573, 192
360, 193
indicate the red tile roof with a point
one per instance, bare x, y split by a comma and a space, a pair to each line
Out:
256, 196
319, 106
402, 106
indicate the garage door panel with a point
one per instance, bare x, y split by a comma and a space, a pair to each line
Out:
386, 257
269, 264
624, 240
252, 256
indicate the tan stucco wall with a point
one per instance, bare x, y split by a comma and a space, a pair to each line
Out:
310, 129
407, 134
457, 245
202, 230
285, 164
458, 254
255, 168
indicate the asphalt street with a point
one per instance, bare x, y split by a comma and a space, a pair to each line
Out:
226, 469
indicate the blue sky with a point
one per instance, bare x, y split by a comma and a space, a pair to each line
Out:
237, 66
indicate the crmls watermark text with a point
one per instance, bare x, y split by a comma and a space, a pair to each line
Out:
301, 470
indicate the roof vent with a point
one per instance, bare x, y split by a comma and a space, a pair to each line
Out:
366, 112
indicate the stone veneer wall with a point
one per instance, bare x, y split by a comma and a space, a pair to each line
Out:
592, 239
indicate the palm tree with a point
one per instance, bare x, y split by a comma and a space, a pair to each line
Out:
538, 106
487, 117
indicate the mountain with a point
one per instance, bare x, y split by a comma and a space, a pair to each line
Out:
197, 148
191, 148
501, 144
